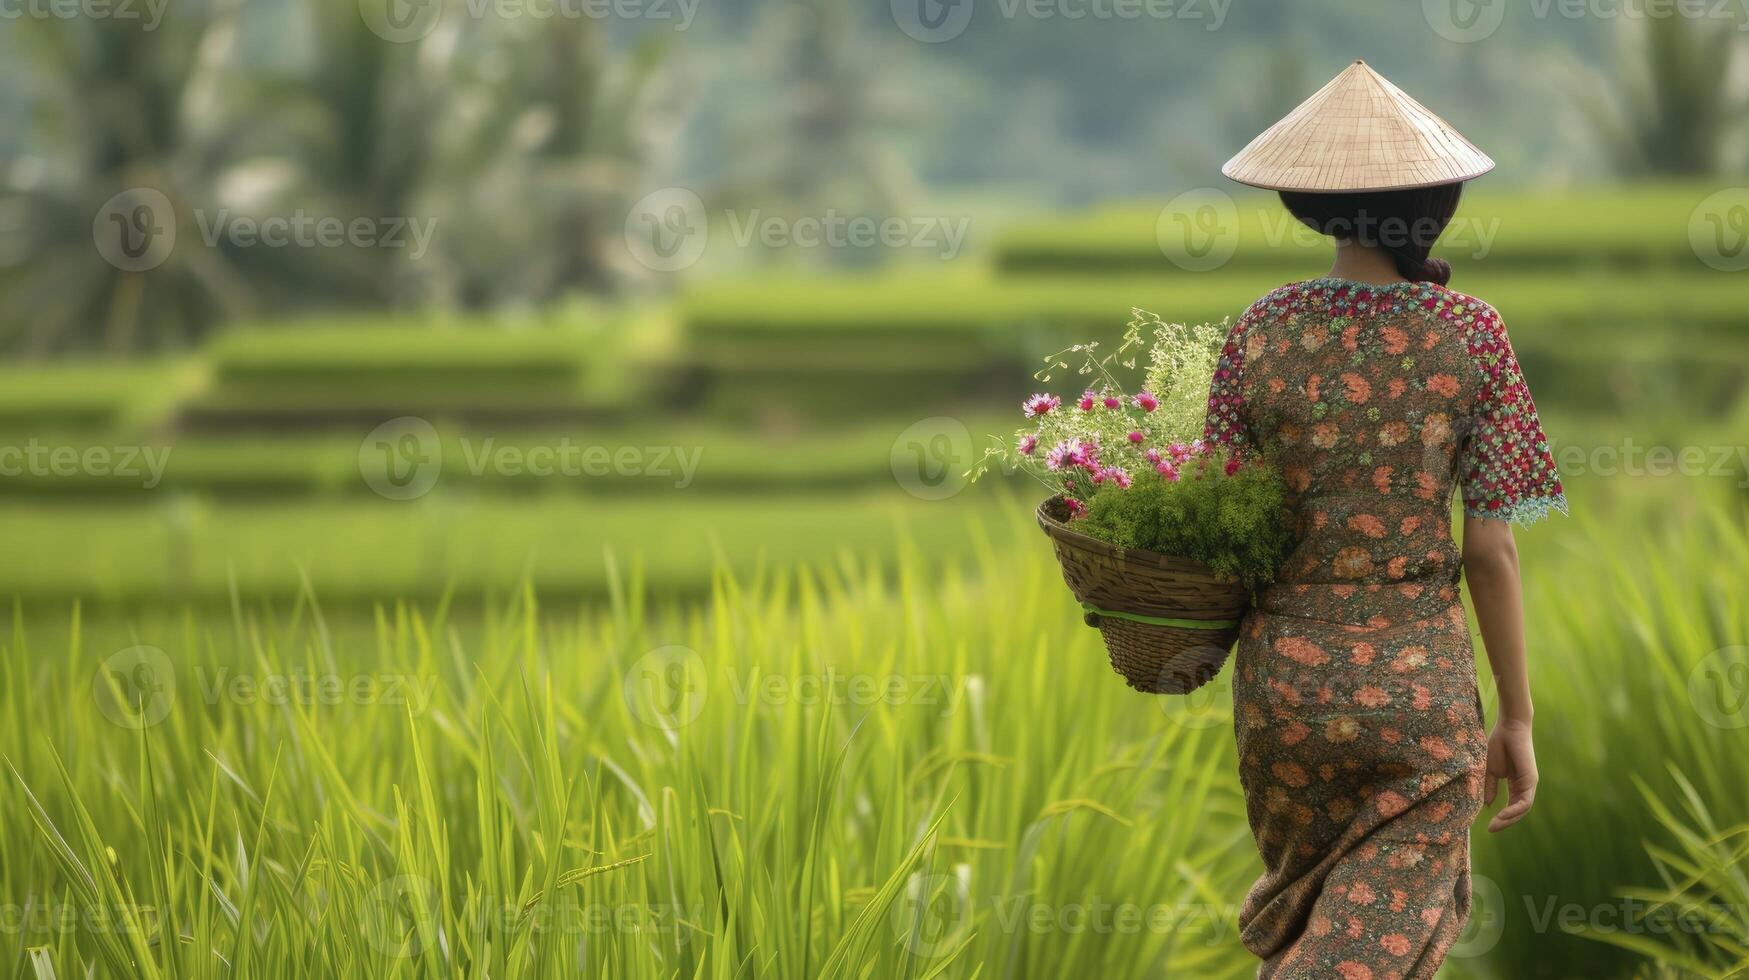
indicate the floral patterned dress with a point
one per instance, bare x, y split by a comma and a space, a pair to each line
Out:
1361, 747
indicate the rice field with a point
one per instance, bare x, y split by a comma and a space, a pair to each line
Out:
790, 719
823, 770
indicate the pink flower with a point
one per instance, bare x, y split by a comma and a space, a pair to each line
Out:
1063, 456
1146, 401
1088, 454
1039, 404
1167, 470
1113, 402
1233, 464
1179, 452
1115, 474
1076, 507
1135, 435
1087, 400
1028, 443
1153, 456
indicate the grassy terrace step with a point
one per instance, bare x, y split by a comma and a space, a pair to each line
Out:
370, 347
1590, 338
362, 549
566, 365
61, 397
677, 463
919, 318
1638, 227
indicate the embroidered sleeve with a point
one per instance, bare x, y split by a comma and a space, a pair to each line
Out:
1506, 469
1225, 424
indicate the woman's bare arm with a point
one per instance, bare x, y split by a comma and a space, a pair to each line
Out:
1491, 567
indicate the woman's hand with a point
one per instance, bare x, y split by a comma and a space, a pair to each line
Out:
1512, 758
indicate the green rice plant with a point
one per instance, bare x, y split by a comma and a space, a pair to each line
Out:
1628, 607
917, 768
829, 773
1699, 919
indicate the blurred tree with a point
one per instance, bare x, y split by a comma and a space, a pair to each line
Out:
552, 138
129, 212
118, 111
822, 137
1673, 104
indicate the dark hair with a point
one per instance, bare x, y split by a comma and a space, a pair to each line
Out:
1404, 224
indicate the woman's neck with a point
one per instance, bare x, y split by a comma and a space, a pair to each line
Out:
1362, 263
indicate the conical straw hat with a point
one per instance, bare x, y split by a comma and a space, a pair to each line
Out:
1358, 133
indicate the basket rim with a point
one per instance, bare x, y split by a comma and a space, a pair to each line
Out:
1062, 532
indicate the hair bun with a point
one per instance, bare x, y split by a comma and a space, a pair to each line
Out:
1436, 271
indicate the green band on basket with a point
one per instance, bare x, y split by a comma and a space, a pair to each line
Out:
1194, 624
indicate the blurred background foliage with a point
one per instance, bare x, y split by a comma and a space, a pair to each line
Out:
805, 375
525, 139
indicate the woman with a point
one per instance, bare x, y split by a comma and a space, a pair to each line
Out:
1376, 391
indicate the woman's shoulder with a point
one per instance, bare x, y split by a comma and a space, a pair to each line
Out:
1467, 308
1282, 301
1478, 322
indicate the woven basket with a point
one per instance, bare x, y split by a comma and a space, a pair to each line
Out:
1149, 608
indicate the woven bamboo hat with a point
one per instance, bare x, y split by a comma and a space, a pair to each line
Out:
1358, 133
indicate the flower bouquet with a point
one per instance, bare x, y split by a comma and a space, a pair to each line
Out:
1162, 537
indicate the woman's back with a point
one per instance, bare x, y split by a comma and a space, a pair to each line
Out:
1374, 401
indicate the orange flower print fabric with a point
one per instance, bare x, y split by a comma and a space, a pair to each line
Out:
1361, 747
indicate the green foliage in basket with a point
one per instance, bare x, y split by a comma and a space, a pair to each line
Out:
1128, 457
1233, 522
